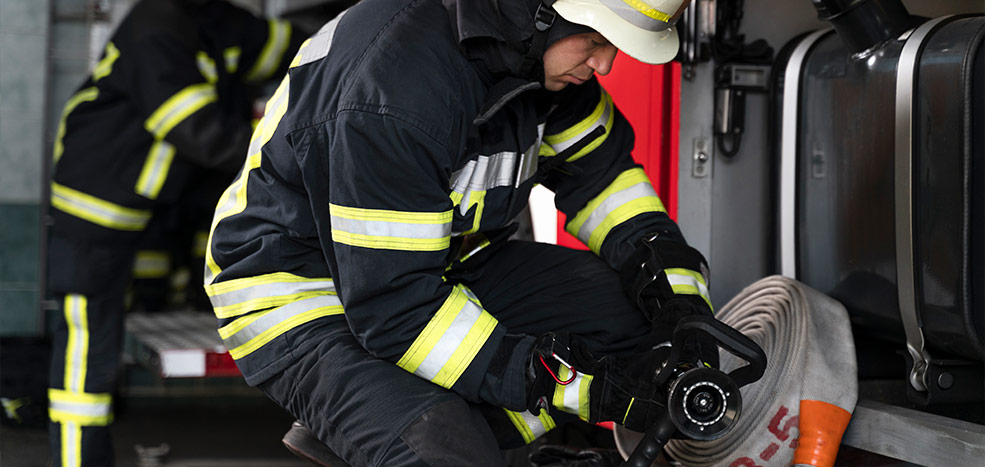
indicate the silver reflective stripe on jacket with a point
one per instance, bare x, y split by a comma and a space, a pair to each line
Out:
317, 47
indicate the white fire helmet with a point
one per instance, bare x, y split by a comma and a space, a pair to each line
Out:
643, 29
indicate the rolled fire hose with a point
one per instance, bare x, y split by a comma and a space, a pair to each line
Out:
797, 413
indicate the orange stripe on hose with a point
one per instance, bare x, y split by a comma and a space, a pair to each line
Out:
821, 427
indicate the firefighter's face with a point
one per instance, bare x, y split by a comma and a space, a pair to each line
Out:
573, 60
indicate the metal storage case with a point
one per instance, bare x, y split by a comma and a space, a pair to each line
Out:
882, 182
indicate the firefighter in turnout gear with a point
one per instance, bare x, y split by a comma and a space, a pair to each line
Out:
165, 114
361, 264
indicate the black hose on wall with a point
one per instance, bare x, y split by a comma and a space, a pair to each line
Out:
864, 25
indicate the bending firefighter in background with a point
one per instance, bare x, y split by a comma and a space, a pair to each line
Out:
165, 114
361, 267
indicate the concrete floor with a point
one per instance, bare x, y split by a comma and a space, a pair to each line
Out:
198, 431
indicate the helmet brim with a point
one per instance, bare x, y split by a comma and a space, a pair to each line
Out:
653, 47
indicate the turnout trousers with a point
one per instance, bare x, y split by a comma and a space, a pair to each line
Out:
372, 413
89, 278
89, 281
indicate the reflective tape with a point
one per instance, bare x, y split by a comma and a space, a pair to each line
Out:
391, 230
602, 115
273, 112
278, 38
151, 264
85, 95
71, 439
484, 173
529, 425
230, 57
248, 333
688, 282
574, 396
86, 409
155, 170
206, 66
640, 14
233, 200
470, 183
450, 340
629, 195
317, 47
105, 66
240, 296
96, 210
178, 107
200, 243
77, 344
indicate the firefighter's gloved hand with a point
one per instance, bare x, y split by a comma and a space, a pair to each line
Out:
668, 281
563, 375
702, 348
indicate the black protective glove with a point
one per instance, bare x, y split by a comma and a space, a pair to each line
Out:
563, 375
668, 281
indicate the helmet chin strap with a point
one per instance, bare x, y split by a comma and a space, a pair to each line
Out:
543, 20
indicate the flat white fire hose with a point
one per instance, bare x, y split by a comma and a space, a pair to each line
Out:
797, 413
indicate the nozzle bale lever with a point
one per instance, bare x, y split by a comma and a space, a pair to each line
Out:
702, 403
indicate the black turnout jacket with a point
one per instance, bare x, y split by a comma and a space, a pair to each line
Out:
401, 138
171, 96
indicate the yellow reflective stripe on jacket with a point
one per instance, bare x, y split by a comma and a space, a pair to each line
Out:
602, 115
629, 195
470, 183
230, 57
155, 170
391, 230
450, 340
178, 107
296, 61
273, 111
105, 66
76, 313
86, 409
248, 333
206, 66
574, 396
240, 296
686, 281
85, 95
278, 38
233, 200
96, 210
151, 264
475, 198
529, 425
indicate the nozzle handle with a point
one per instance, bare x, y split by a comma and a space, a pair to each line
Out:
729, 339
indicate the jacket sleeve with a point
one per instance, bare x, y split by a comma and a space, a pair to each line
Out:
259, 50
181, 88
391, 223
607, 198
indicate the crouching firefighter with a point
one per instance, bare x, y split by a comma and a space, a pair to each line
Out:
361, 266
